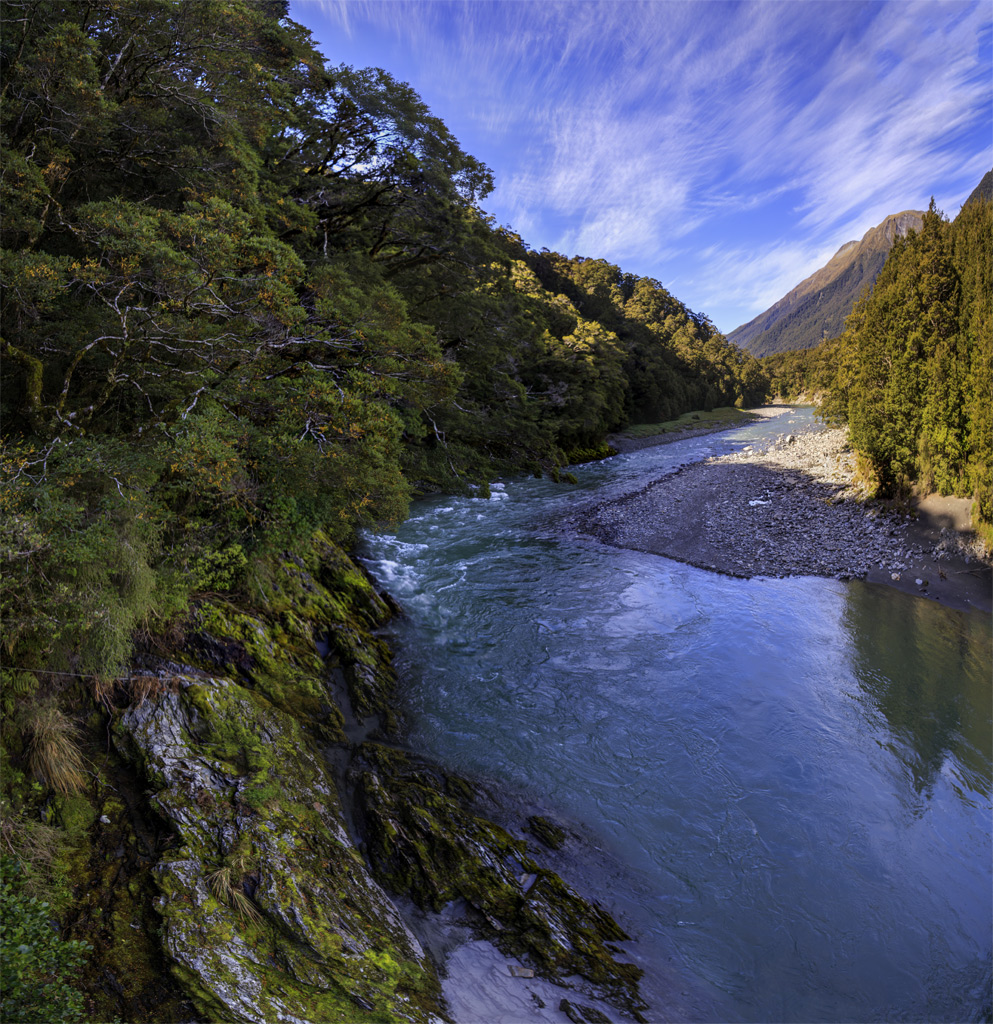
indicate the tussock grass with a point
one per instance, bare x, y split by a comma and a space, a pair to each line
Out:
136, 689
54, 756
227, 890
31, 842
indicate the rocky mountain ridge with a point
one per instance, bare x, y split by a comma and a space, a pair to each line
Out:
816, 308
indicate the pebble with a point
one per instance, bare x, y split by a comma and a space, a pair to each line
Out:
791, 509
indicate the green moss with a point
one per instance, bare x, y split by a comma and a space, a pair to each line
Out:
726, 416
546, 832
425, 840
593, 453
321, 594
76, 813
260, 793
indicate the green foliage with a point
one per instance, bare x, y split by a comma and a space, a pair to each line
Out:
248, 296
219, 570
249, 300
576, 456
912, 372
808, 373
671, 359
35, 964
723, 417
76, 539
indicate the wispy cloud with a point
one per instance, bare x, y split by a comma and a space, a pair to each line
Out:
641, 130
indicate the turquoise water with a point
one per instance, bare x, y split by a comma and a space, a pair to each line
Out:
793, 775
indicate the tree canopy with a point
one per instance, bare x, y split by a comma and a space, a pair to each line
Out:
912, 375
248, 294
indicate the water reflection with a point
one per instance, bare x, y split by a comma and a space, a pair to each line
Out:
924, 670
794, 773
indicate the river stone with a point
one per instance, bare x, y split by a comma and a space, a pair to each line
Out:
792, 509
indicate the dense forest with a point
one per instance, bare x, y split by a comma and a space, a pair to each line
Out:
252, 304
246, 294
912, 374
249, 299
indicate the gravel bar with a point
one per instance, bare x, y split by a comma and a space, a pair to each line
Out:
792, 509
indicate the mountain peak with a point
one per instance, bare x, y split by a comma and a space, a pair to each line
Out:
984, 190
844, 249
816, 308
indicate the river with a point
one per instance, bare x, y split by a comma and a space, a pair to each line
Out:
791, 779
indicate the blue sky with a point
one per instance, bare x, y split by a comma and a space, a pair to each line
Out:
725, 149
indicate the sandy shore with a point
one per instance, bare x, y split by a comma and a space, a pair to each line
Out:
793, 509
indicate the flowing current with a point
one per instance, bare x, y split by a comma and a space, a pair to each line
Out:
790, 779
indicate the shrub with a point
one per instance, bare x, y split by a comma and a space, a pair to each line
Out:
34, 960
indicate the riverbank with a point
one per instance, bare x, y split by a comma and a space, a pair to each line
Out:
686, 427
794, 509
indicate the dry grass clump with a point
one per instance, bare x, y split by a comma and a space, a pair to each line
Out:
29, 841
135, 689
148, 687
54, 756
227, 890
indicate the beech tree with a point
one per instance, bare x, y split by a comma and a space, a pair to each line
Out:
247, 294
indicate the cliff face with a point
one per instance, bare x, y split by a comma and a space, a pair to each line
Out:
221, 875
816, 308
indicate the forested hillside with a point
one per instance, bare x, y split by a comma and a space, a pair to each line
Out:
912, 375
246, 294
250, 300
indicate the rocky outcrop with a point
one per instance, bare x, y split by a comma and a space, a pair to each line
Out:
259, 893
268, 911
257, 901
426, 839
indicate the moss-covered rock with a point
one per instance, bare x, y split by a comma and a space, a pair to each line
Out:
319, 597
546, 832
425, 840
267, 912
216, 877
111, 840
